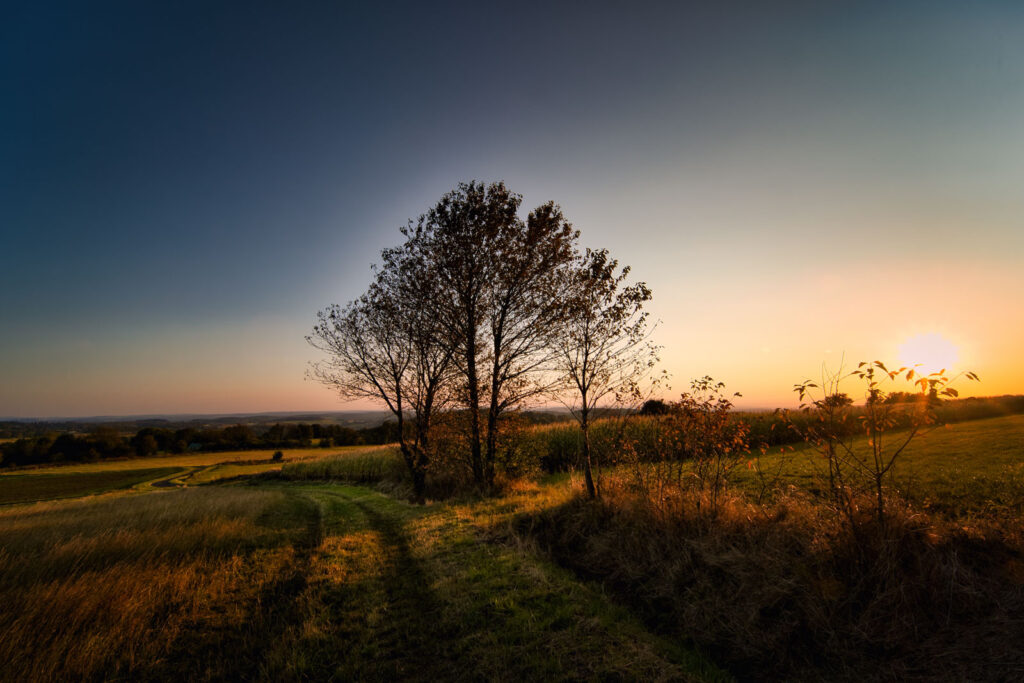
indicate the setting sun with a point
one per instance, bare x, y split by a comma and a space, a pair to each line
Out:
928, 352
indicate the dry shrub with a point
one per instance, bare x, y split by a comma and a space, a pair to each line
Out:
787, 592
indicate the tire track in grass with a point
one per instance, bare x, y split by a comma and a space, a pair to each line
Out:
401, 592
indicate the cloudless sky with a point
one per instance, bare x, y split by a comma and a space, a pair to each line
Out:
182, 187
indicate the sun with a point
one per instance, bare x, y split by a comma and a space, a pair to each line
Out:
930, 352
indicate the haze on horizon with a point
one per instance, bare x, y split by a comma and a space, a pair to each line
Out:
182, 188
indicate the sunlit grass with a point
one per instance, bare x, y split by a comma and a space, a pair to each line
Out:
966, 468
367, 465
303, 581
117, 587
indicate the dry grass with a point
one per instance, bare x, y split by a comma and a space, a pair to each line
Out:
118, 587
303, 581
785, 591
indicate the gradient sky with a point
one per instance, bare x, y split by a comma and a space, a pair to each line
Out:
183, 187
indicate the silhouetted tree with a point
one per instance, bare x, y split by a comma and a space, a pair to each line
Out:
602, 345
383, 347
498, 301
654, 406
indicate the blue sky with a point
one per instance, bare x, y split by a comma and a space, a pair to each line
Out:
181, 188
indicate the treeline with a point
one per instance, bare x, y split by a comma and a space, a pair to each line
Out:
105, 442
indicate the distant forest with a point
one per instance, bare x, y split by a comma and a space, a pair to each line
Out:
105, 441
41, 443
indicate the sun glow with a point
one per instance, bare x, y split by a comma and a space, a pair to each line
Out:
929, 352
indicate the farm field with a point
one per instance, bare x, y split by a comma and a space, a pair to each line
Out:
22, 488
140, 474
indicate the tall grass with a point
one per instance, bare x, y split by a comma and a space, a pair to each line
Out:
784, 591
383, 464
119, 587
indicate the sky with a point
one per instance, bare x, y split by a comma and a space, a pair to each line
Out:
801, 184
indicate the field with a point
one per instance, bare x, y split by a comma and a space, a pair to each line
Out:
964, 469
22, 488
303, 574
79, 479
301, 580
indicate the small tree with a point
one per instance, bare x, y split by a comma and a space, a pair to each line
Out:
861, 446
603, 347
383, 347
654, 406
700, 428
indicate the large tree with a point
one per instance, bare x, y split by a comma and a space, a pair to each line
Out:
498, 301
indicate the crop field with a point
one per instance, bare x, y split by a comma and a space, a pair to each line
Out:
21, 488
193, 460
141, 474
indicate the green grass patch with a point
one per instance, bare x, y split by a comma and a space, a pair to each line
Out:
963, 469
24, 488
365, 466
415, 593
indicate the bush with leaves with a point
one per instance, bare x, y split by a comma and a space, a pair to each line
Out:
860, 447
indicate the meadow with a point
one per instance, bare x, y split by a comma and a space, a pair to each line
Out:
302, 580
316, 567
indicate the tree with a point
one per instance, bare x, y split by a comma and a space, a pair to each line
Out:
654, 406
498, 300
602, 347
382, 347
858, 468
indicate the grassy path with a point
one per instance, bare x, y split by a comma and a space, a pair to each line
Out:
318, 581
394, 591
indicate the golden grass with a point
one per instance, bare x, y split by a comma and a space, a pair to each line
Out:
788, 590
310, 581
111, 587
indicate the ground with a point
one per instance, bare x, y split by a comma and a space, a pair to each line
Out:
290, 581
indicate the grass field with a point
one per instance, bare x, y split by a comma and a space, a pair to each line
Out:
140, 474
967, 468
300, 581
190, 460
308, 576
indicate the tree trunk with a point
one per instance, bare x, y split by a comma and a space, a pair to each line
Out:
588, 470
492, 444
475, 455
493, 412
